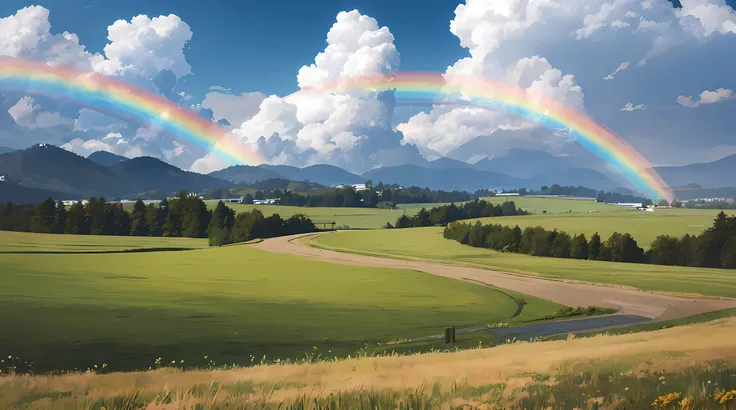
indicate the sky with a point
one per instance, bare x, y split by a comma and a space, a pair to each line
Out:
659, 76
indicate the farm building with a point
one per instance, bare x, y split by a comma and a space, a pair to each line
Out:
269, 201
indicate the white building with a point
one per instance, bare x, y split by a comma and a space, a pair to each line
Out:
269, 201
630, 205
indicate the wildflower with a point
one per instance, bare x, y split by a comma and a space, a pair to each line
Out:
664, 402
688, 403
597, 391
182, 361
626, 388
104, 365
205, 358
583, 394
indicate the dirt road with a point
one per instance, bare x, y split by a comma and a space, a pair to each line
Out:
628, 301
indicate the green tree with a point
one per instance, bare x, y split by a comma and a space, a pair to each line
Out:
594, 248
138, 226
248, 199
195, 218
221, 224
172, 225
579, 247
476, 237
663, 202
75, 220
155, 219
403, 222
44, 217
667, 250
560, 246
711, 242
60, 220
728, 254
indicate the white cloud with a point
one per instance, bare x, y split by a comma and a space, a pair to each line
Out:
356, 46
144, 46
321, 127
28, 114
706, 97
620, 68
631, 107
235, 109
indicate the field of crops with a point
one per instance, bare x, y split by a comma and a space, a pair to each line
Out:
24, 242
227, 303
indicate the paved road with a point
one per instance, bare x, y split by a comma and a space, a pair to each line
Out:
629, 301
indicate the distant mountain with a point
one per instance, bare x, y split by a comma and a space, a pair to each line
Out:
466, 179
24, 195
573, 177
523, 163
105, 158
717, 174
328, 175
48, 167
245, 174
5, 150
447, 163
147, 173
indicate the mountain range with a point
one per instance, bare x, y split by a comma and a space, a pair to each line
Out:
45, 170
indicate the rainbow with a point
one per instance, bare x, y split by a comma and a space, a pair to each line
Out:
125, 102
476, 91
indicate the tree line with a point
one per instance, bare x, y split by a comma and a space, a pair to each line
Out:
443, 215
183, 216
714, 248
226, 227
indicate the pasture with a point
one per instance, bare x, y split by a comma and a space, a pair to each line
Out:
68, 310
353, 218
25, 242
428, 243
537, 205
643, 226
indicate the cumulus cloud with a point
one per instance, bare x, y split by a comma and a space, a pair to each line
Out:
620, 68
28, 114
344, 129
145, 46
706, 97
631, 107
235, 109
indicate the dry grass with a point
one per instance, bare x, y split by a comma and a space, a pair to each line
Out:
501, 374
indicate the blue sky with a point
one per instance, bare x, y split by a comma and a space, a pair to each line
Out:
257, 45
672, 97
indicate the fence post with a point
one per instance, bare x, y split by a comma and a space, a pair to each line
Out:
452, 335
448, 335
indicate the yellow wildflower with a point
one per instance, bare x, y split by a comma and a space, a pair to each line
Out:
663, 402
688, 403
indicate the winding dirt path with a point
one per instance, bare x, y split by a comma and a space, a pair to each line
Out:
628, 301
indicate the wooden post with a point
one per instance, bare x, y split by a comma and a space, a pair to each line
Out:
448, 335
452, 334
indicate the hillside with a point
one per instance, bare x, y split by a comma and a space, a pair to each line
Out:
105, 158
5, 150
23, 195
49, 167
466, 179
447, 163
717, 174
148, 173
328, 175
573, 176
245, 174
521, 163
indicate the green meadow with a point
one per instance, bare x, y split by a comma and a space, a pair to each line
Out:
63, 311
536, 205
353, 218
428, 243
643, 226
25, 242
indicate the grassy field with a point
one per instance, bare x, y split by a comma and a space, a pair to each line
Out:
24, 242
67, 310
558, 205
643, 226
359, 218
607, 372
428, 243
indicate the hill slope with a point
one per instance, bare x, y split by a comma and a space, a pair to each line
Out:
245, 174
328, 175
49, 167
717, 174
105, 158
147, 173
466, 179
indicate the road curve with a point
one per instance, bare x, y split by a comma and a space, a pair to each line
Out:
628, 301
